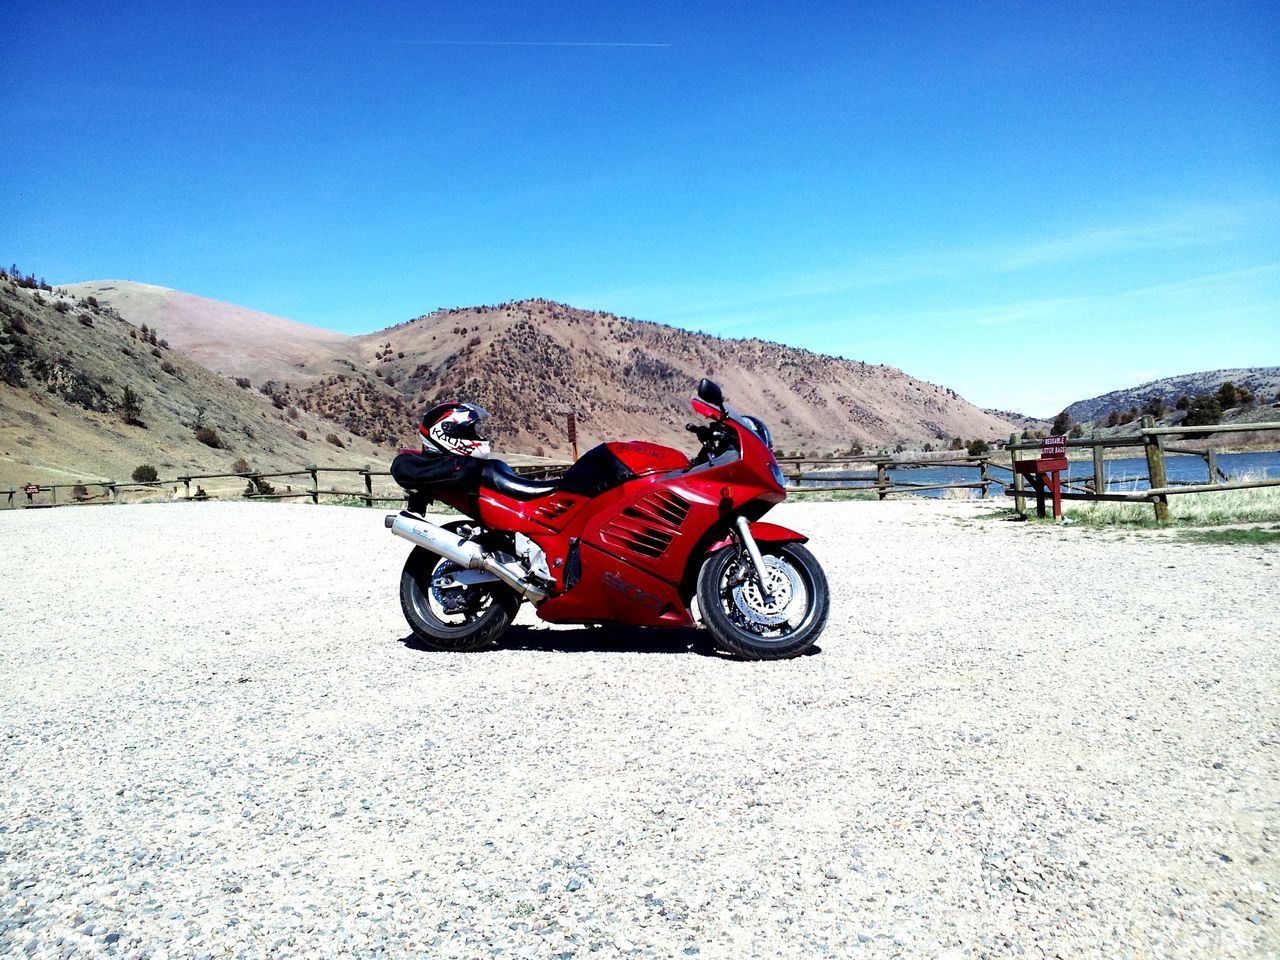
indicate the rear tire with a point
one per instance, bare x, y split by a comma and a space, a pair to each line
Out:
489, 610
743, 622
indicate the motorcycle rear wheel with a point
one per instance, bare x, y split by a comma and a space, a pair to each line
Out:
786, 623
489, 611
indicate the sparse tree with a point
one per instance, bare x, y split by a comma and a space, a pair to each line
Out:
130, 406
1228, 395
1061, 424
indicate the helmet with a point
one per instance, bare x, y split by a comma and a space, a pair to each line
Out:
451, 428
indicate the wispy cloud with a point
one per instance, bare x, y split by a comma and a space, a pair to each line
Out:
1192, 225
530, 43
1189, 227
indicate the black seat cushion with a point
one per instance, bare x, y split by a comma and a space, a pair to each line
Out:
506, 481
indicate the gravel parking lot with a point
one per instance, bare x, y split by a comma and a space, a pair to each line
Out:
1016, 740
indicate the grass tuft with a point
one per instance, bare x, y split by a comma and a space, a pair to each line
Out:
1257, 505
1246, 537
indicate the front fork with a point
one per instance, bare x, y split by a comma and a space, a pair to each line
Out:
748, 543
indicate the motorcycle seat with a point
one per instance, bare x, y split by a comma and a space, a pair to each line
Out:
500, 477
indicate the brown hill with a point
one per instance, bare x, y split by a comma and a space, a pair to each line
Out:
525, 360
225, 338
64, 366
630, 378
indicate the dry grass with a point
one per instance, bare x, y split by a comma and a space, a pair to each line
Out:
1215, 508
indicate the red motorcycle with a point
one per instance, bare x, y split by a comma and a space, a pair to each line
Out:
630, 534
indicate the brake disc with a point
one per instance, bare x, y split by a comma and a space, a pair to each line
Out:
448, 592
784, 588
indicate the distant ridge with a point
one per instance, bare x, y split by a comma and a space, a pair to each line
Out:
525, 360
1264, 382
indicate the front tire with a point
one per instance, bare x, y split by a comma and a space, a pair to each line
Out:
784, 624
471, 621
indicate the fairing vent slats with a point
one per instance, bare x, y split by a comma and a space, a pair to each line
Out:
553, 510
648, 527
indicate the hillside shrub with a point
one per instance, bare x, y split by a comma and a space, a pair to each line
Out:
79, 492
977, 448
145, 473
169, 368
1228, 396
130, 407
85, 320
62, 306
1203, 411
241, 466
302, 434
209, 437
242, 383
335, 440
1061, 424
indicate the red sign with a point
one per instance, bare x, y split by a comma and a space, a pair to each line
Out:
1054, 447
31, 489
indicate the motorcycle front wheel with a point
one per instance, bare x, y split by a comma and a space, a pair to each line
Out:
457, 618
783, 622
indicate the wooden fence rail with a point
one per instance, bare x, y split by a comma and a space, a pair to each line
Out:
803, 475
1151, 439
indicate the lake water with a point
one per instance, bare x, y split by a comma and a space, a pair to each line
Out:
1122, 474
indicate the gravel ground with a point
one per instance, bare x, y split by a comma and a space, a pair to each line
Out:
1017, 739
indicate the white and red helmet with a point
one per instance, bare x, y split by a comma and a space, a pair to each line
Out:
453, 428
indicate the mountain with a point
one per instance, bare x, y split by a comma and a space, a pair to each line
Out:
1020, 420
1263, 382
225, 338
64, 366
527, 360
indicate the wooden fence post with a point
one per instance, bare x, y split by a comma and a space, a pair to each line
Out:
186, 485
368, 486
315, 484
985, 477
1099, 476
1211, 460
1019, 502
882, 478
1155, 468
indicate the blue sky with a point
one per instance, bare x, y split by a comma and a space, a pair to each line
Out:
1030, 203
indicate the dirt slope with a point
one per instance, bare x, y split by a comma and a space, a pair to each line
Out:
224, 337
1264, 382
627, 378
64, 365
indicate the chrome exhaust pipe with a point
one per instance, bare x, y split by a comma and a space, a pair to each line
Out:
465, 553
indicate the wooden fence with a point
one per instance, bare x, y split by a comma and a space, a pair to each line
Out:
835, 474
803, 475
1151, 439
111, 491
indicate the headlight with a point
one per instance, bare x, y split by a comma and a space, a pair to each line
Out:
777, 474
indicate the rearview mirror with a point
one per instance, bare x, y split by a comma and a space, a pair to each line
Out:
709, 391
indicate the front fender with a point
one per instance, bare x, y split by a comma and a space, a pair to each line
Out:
764, 532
